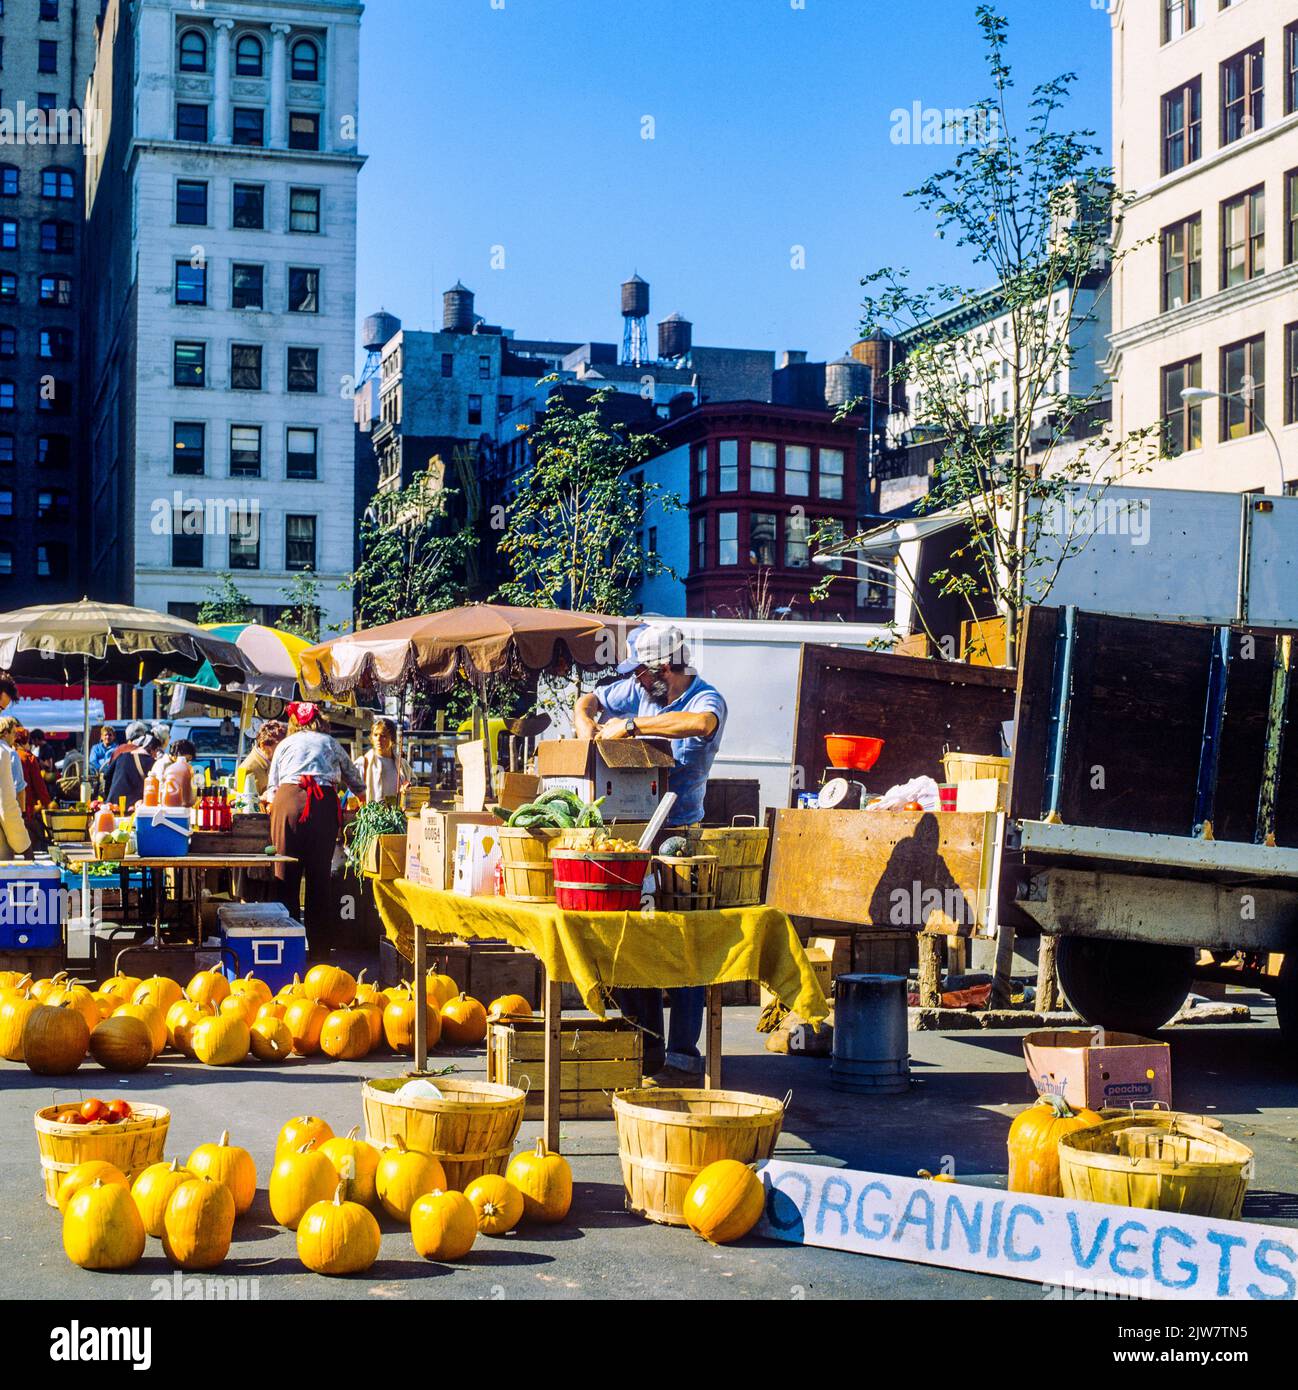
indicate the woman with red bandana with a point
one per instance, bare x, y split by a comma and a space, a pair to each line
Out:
306, 774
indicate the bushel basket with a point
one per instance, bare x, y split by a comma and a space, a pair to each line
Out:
599, 880
132, 1145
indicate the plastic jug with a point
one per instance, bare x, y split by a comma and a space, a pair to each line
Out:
151, 790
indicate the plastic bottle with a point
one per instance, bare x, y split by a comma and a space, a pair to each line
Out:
151, 790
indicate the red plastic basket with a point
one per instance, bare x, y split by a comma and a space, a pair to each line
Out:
591, 881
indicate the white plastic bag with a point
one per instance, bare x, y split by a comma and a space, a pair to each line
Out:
921, 789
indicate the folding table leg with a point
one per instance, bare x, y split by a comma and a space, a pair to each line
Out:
553, 1057
713, 1051
421, 999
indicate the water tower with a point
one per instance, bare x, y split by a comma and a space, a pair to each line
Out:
457, 309
377, 331
635, 315
675, 337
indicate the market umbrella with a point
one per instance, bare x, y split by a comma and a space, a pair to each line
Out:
274, 656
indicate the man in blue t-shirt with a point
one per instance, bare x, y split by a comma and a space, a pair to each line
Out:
661, 696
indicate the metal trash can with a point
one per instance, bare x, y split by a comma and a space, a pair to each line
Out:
871, 1049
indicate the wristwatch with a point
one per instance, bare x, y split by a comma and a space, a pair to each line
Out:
631, 730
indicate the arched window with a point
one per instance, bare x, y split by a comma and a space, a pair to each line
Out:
58, 183
306, 61
249, 57
193, 51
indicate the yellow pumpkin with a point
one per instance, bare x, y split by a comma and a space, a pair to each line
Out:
270, 1040
152, 1191
93, 1170
208, 987
227, 1163
274, 1008
345, 1034
20, 979
399, 1025
496, 1202
369, 993
439, 989
1034, 1144
356, 1163
122, 1044
107, 1004
509, 1006
43, 988
80, 998
291, 991
545, 1180
55, 1039
14, 1013
198, 1224
250, 987
220, 1042
181, 1019
724, 1201
329, 985
295, 1132
403, 1176
158, 991
373, 1015
121, 986
464, 1021
102, 1228
305, 1018
238, 1006
444, 1225
153, 1017
300, 1178
338, 1237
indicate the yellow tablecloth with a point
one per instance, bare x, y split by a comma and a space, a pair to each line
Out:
597, 951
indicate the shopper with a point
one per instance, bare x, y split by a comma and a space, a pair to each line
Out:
255, 768
36, 795
383, 776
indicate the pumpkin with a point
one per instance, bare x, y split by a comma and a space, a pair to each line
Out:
403, 1176
329, 985
220, 1042
373, 1015
18, 979
270, 1040
305, 1018
338, 1237
159, 991
274, 1008
301, 1178
107, 1004
80, 998
14, 1013
227, 1163
291, 991
152, 1191
122, 1044
509, 1006
545, 1180
55, 1040
369, 993
154, 1018
198, 1224
346, 1034
497, 1204
356, 1163
444, 1225
93, 1170
399, 1025
724, 1201
42, 988
181, 1018
208, 987
250, 987
464, 1021
299, 1129
121, 986
241, 1006
1034, 1144
102, 1228
439, 989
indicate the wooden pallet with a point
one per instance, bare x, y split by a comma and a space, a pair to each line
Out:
598, 1057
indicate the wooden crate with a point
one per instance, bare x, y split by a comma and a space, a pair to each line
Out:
599, 1056
884, 952
488, 969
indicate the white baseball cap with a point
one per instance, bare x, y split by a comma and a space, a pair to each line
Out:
655, 646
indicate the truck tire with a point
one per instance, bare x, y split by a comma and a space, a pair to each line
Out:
1128, 986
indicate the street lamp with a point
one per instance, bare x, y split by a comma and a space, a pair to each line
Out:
1196, 395
825, 560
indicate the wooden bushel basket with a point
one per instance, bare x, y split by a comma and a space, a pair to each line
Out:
132, 1145
686, 883
470, 1131
525, 861
740, 851
665, 1138
599, 880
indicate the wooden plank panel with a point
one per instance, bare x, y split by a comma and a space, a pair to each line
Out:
577, 1076
579, 1105
1032, 709
582, 1039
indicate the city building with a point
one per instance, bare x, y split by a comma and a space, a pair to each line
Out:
221, 325
1205, 138
47, 49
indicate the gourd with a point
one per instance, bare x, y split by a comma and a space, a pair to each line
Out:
439, 989
464, 1021
274, 1008
220, 1042
19, 979
153, 1189
291, 991
198, 1224
92, 1170
301, 1178
403, 1176
227, 1163
509, 1006
81, 999
250, 987
241, 1006
122, 1044
14, 1013
346, 1034
496, 1202
42, 988
444, 1225
154, 1018
338, 1237
304, 1019
545, 1180
102, 1228
208, 987
373, 1016
724, 1201
330, 985
55, 1039
181, 1019
369, 993
399, 1025
1034, 1144
107, 1004
270, 1040
159, 991
356, 1164
295, 1132
121, 986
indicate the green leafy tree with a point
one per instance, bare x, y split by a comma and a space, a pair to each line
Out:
225, 602
302, 615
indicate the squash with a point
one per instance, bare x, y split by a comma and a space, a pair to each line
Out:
304, 1019
270, 1040
227, 1163
107, 1004
329, 985
14, 1013
545, 1180
220, 1042
464, 1021
121, 986
368, 993
55, 1040
356, 1162
154, 1018
250, 987
183, 1015
724, 1201
509, 1006
373, 1015
102, 1228
208, 987
122, 1044
399, 1025
346, 1034
300, 1178
42, 988
159, 991
439, 989
291, 991
497, 1204
152, 1191
1034, 1144
80, 998
273, 1009
20, 979
198, 1225
241, 1006
295, 1132
403, 1176
93, 1170
444, 1225
338, 1237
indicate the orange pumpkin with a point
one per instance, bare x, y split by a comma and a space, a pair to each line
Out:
724, 1201
304, 1019
81, 999
399, 1025
158, 991
270, 1040
464, 1021
14, 1013
122, 1044
250, 987
545, 1180
330, 985
55, 1039
181, 1018
509, 1006
345, 1034
440, 989
497, 1203
1034, 1144
227, 1163
300, 1129
275, 1008
153, 1016
208, 987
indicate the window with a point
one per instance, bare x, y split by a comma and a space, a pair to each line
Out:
245, 451
1291, 70
245, 545
1243, 379
475, 410
761, 467
299, 542
8, 235
1178, 17
484, 368
1182, 422
247, 287
8, 287
797, 541
701, 471
831, 474
191, 122
53, 451
186, 549
6, 502
56, 344
728, 466
305, 58
1291, 374
53, 505
1291, 217
303, 130
304, 370
189, 448
8, 180
58, 183
448, 364
504, 404
1242, 94
303, 290
52, 560
47, 101
57, 238
301, 452
761, 539
727, 538
8, 340
56, 289
47, 56
193, 51
245, 367
7, 448
53, 397
249, 206
304, 210
49, 9
8, 396
701, 543
6, 559
797, 470
191, 203
189, 364
1182, 126
1243, 238
1182, 263
249, 125
191, 283
249, 56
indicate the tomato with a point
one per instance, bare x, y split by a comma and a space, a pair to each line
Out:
119, 1110
92, 1110
912, 806
110, 1117
69, 1117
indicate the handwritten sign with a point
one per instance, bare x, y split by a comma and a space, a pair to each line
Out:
1049, 1240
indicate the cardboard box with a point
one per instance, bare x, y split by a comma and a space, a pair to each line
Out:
982, 794
839, 951
1093, 1068
477, 855
438, 830
386, 856
630, 773
518, 789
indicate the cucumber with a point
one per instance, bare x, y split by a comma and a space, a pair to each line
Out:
501, 814
561, 818
558, 794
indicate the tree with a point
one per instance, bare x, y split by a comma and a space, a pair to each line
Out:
302, 615
225, 603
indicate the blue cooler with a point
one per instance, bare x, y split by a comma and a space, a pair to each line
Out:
31, 906
263, 938
162, 832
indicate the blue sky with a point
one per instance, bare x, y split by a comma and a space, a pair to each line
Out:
513, 130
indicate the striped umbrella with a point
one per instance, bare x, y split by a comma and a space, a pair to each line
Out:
275, 657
